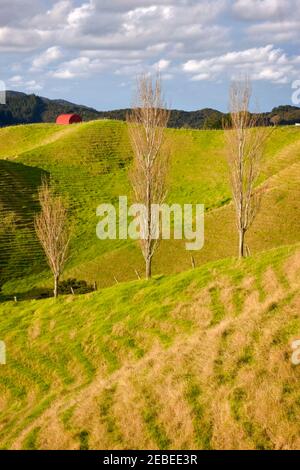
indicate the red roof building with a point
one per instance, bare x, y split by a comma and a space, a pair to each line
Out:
65, 119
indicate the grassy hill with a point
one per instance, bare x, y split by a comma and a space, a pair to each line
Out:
192, 359
89, 164
200, 360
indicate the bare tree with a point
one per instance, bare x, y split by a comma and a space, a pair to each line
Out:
53, 230
275, 120
146, 123
245, 138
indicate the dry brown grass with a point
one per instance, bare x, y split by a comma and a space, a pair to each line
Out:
224, 385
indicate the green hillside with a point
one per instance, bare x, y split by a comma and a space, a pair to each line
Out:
89, 164
199, 360
195, 358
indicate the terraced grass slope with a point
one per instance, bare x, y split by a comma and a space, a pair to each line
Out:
89, 164
199, 360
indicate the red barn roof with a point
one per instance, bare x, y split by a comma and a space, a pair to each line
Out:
68, 119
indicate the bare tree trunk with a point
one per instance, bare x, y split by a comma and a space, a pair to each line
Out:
56, 279
137, 274
149, 225
241, 243
193, 262
148, 267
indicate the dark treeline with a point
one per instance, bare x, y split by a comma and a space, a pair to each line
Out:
26, 109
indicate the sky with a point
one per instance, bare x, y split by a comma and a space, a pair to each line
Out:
91, 51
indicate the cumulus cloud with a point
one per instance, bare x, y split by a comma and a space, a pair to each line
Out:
52, 54
126, 35
54, 18
263, 63
16, 39
78, 67
68, 39
124, 25
99, 25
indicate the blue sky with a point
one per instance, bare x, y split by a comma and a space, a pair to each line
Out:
90, 51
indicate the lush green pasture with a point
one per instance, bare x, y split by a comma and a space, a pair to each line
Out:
89, 164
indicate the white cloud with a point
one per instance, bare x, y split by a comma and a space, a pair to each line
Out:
63, 74
277, 32
54, 18
255, 10
32, 85
78, 67
16, 39
29, 85
119, 33
137, 67
201, 76
78, 15
16, 79
96, 25
162, 64
68, 39
262, 63
52, 54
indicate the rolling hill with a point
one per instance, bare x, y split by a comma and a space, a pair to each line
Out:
89, 164
195, 358
198, 360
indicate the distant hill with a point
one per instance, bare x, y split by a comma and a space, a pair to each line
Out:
27, 109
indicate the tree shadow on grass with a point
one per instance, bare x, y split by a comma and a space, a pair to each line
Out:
20, 251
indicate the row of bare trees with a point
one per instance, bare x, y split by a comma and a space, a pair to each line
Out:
245, 141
